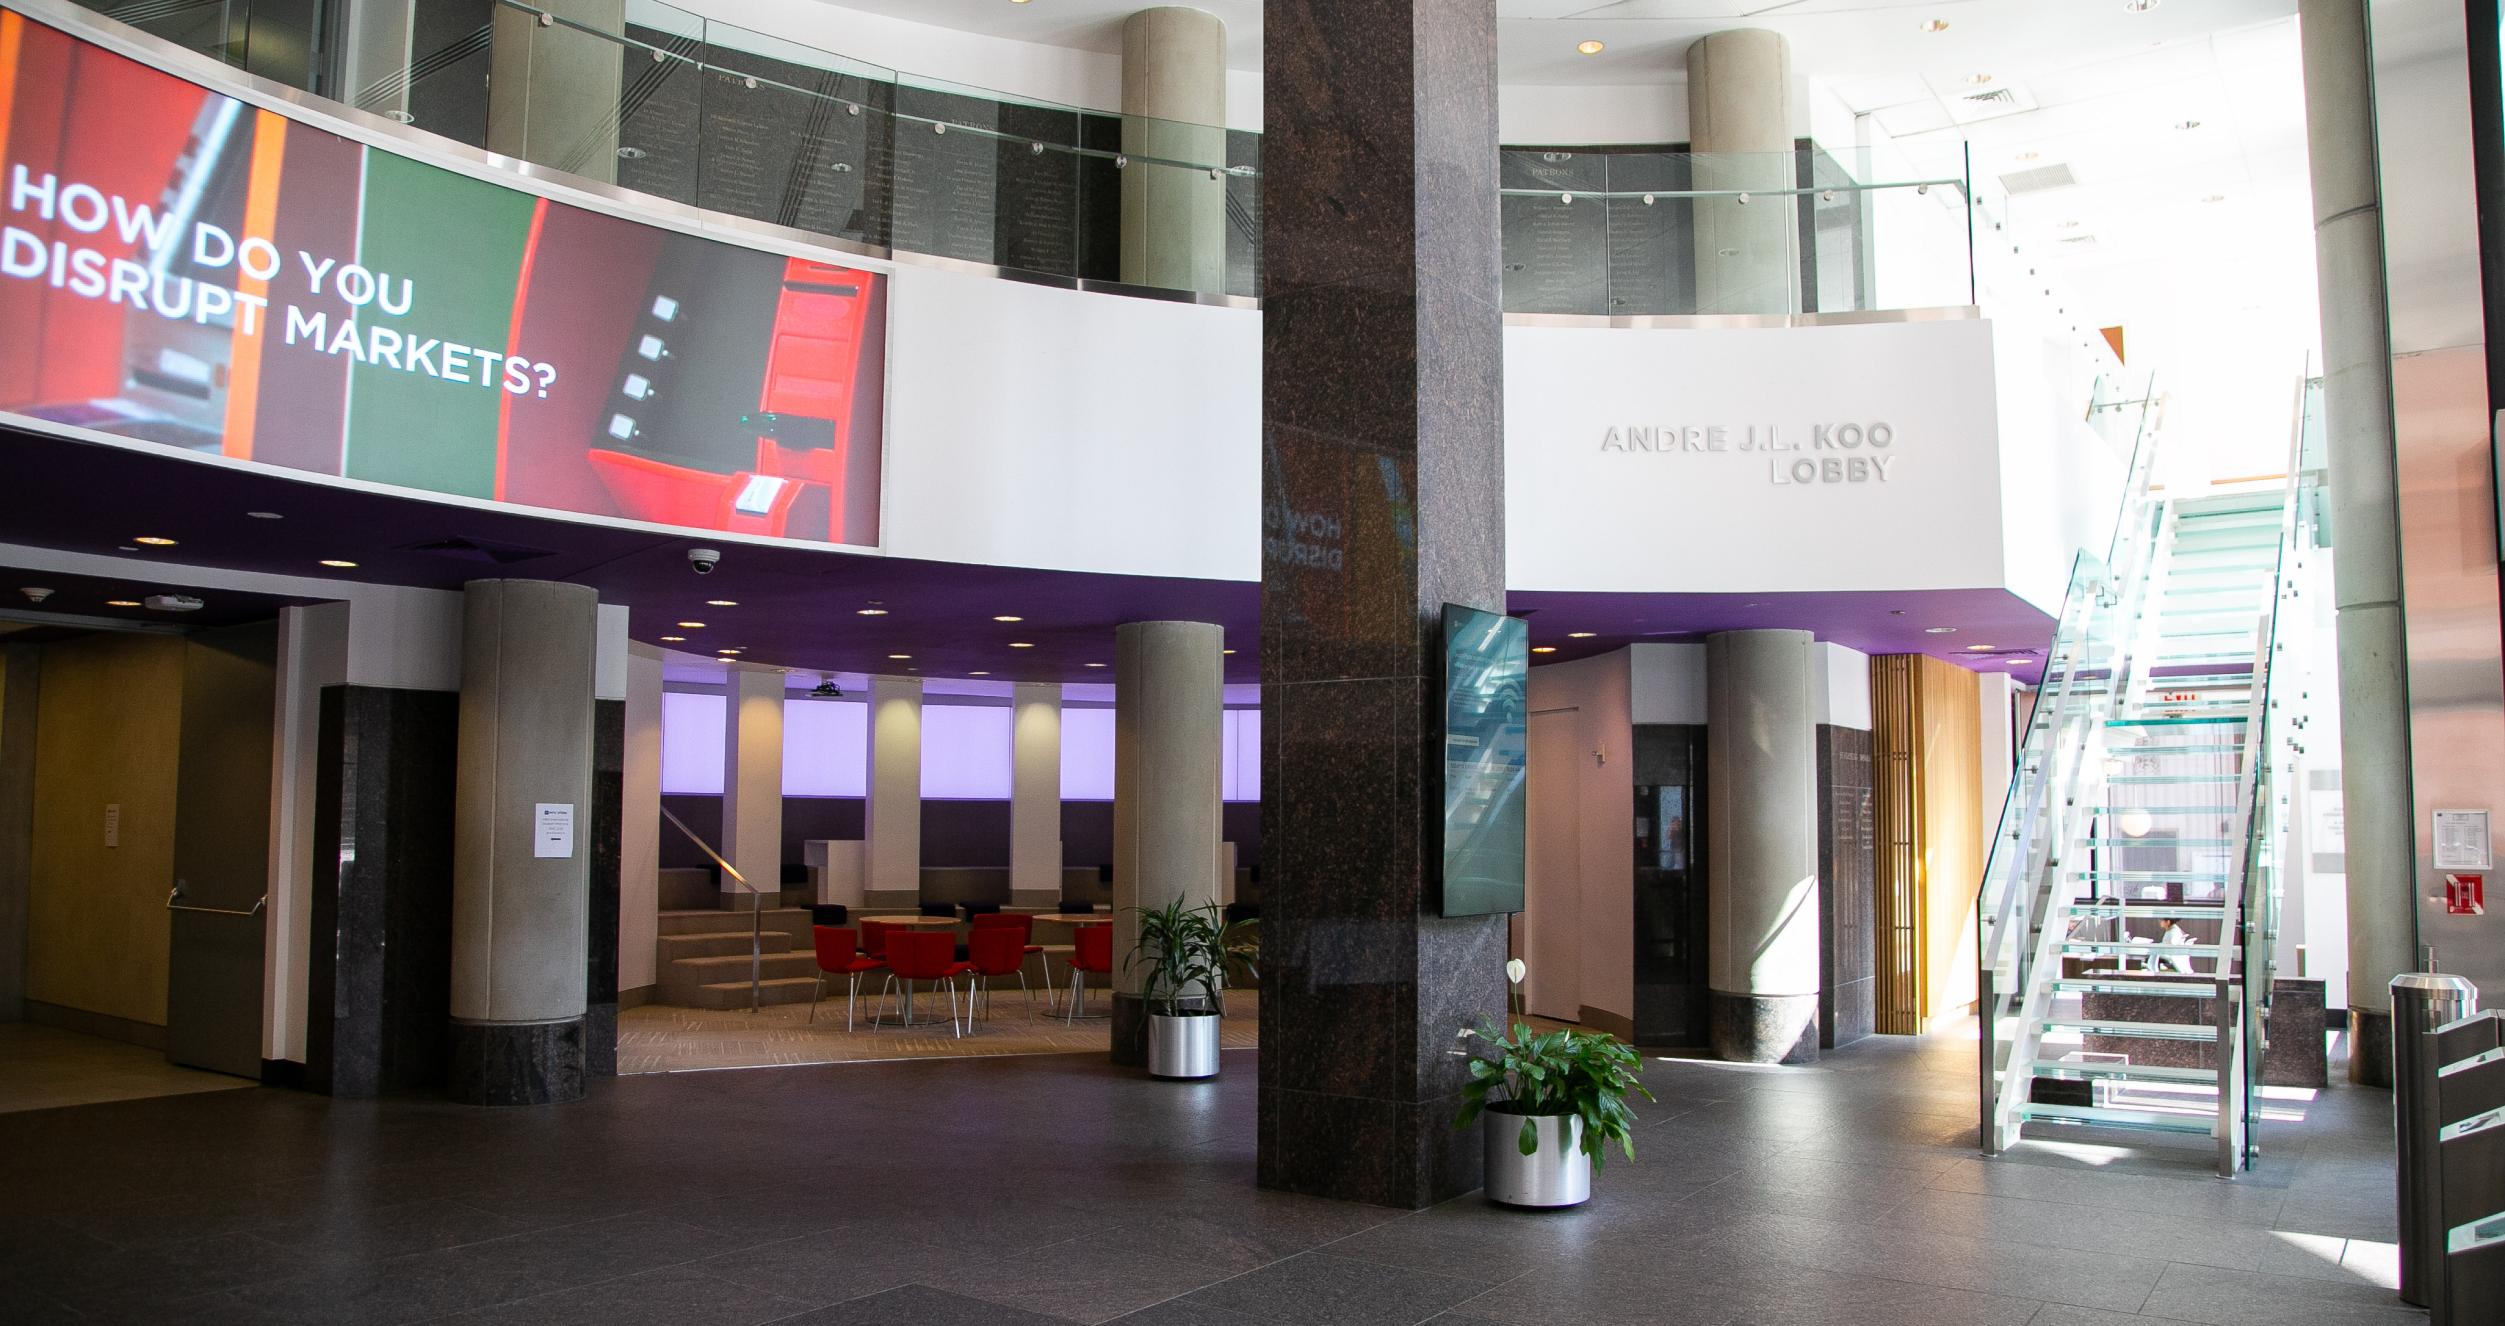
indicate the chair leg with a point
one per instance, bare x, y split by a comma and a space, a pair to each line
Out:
1070, 1008
852, 1000
1050, 1005
816, 995
954, 1028
1027, 990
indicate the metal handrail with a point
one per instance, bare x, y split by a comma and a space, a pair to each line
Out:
756, 909
259, 905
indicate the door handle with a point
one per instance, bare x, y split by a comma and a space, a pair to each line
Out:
174, 903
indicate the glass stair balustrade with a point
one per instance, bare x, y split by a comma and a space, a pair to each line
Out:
2141, 802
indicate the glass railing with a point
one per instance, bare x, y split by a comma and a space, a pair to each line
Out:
679, 106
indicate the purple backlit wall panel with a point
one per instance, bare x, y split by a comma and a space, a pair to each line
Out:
966, 750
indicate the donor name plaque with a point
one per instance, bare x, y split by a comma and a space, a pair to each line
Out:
1837, 453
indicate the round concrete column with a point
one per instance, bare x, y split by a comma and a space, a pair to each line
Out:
520, 842
1761, 781
1739, 111
1174, 109
1168, 710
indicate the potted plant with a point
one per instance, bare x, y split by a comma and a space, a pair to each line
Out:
1185, 951
1567, 1089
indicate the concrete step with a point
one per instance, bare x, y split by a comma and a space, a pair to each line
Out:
793, 921
714, 944
780, 990
682, 979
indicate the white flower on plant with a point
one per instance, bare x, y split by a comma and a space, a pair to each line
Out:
1514, 970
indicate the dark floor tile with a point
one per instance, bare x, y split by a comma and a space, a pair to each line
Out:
1184, 1312
354, 1232
1088, 1279
676, 1296
840, 1264
921, 1305
2249, 1298
1317, 1289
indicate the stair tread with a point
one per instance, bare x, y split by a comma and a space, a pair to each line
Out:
741, 959
769, 983
2125, 985
2113, 1118
2176, 1031
2133, 1072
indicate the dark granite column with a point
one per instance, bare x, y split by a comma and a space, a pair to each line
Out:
1383, 500
379, 972
1848, 892
608, 805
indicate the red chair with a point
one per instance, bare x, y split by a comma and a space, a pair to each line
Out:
997, 950
874, 938
838, 957
924, 956
1091, 955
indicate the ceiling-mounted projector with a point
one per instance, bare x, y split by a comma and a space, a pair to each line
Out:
174, 603
826, 689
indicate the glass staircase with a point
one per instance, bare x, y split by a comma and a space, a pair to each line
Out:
2127, 915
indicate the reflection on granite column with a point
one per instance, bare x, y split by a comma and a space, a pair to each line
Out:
379, 971
1848, 897
1383, 500
608, 796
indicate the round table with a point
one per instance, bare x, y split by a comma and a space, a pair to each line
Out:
1076, 918
910, 920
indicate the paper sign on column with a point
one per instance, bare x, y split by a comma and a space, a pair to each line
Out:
552, 834
2461, 840
113, 824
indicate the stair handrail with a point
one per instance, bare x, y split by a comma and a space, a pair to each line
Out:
756, 908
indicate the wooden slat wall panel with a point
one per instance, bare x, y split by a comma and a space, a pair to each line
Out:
1895, 801
1926, 774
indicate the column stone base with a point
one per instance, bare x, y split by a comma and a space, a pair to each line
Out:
1130, 1031
1765, 1029
2370, 1047
516, 1063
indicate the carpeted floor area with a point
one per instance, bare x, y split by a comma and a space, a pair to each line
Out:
658, 1039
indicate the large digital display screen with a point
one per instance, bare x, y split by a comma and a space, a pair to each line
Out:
180, 267
1487, 674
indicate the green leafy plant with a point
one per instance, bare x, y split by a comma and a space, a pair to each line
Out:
1184, 948
1551, 1074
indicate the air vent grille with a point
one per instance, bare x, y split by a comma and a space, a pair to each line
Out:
2039, 179
1999, 96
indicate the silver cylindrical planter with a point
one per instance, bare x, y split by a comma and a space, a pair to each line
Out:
1183, 1047
1556, 1173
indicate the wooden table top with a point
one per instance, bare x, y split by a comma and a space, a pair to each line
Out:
1076, 918
911, 920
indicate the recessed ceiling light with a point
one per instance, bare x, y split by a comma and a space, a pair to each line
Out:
1543, 649
154, 541
869, 612
1935, 25
1591, 47
1020, 644
721, 603
691, 626
2138, 6
341, 562
2187, 124
265, 515
1980, 649
1581, 635
1939, 630
1978, 79
2215, 198
1008, 617
728, 650
900, 657
2069, 225
2029, 155
121, 603
1226, 651
978, 674
1092, 665
673, 639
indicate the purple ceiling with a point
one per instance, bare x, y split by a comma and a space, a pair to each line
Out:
800, 607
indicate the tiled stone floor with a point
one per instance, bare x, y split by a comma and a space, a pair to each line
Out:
660, 1039
45, 1068
1050, 1189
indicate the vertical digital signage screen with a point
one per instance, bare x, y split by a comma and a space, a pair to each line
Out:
182, 268
1487, 672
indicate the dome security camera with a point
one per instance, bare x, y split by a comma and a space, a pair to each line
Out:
703, 560
36, 594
